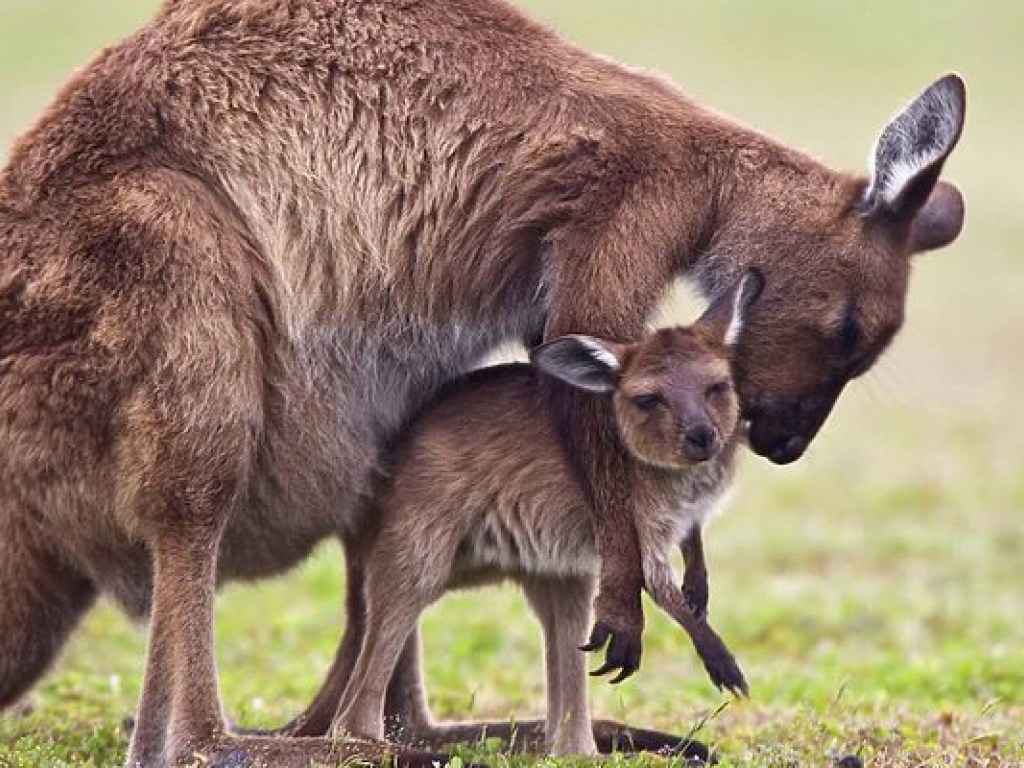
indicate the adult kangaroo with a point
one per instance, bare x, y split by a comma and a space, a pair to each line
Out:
241, 247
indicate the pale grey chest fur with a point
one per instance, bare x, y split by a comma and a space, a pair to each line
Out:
346, 395
689, 499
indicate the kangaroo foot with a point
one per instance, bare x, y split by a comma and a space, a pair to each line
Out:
619, 737
528, 736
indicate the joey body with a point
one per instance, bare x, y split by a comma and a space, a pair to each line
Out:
495, 500
478, 490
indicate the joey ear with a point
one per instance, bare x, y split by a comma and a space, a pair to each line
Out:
582, 361
727, 314
909, 154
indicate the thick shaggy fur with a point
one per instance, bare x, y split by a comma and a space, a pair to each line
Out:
243, 245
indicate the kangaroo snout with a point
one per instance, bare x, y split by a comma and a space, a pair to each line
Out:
781, 431
779, 443
788, 450
700, 442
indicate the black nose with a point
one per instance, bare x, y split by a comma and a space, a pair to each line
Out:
788, 451
699, 441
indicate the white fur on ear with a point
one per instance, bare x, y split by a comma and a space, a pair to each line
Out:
581, 361
888, 184
746, 293
600, 353
736, 321
920, 136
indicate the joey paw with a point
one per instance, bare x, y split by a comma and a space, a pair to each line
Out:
622, 655
725, 672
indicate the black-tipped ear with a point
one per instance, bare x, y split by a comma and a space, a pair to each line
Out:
727, 314
582, 361
909, 154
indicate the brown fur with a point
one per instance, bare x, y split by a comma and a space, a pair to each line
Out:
241, 247
479, 490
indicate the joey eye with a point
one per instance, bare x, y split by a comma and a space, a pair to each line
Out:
646, 403
717, 389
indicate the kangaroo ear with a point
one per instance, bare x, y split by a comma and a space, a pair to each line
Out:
582, 361
909, 154
727, 314
940, 220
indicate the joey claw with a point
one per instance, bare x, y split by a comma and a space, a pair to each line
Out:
604, 669
623, 674
622, 653
725, 673
598, 637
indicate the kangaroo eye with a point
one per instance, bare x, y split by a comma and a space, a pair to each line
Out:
646, 403
718, 389
848, 334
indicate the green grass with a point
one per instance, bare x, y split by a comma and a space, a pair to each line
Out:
872, 592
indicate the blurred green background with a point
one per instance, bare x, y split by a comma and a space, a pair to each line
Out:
873, 592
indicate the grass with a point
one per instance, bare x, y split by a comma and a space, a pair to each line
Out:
872, 592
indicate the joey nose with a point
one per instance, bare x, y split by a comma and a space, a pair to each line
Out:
699, 442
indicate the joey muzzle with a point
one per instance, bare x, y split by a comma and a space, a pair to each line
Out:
699, 442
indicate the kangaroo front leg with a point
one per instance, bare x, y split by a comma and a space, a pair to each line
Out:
718, 661
695, 576
619, 620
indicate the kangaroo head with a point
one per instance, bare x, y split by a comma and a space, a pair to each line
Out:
836, 253
673, 394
